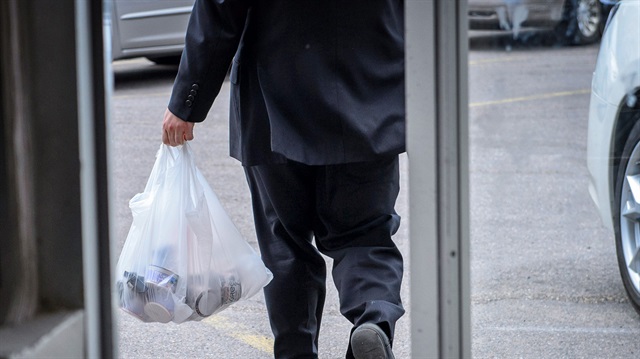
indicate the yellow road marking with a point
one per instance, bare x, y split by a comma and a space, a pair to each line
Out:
241, 333
530, 98
473, 104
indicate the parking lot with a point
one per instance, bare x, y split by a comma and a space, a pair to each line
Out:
545, 282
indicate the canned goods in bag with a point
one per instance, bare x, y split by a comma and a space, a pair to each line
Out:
131, 301
161, 277
203, 294
160, 304
208, 302
231, 290
161, 283
135, 282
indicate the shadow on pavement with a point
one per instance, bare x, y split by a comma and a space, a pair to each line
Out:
133, 73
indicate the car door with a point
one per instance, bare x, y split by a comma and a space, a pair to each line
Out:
151, 23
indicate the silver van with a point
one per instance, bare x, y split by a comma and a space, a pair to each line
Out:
154, 29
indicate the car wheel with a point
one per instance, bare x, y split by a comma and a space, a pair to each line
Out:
582, 22
166, 60
627, 216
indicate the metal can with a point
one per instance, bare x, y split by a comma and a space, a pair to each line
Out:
135, 282
131, 301
161, 277
231, 290
159, 303
208, 302
161, 283
203, 294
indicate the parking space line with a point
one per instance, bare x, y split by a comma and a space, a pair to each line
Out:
530, 98
573, 330
240, 333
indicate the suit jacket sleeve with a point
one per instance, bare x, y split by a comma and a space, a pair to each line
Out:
213, 33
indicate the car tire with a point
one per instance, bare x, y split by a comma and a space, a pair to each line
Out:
582, 22
627, 216
165, 60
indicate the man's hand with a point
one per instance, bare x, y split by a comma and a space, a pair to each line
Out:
175, 130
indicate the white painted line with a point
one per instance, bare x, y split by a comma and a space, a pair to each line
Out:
574, 330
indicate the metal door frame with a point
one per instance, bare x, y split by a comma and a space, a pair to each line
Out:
437, 140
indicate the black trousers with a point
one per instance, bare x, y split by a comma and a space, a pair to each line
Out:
349, 210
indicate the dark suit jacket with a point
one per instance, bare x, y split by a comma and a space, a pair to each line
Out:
318, 82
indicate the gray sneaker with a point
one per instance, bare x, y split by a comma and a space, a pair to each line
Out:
368, 341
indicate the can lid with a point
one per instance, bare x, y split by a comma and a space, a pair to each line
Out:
157, 312
207, 303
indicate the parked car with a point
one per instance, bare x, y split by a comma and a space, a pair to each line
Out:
575, 22
613, 147
154, 29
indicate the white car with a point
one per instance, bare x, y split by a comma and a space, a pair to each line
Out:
613, 148
154, 29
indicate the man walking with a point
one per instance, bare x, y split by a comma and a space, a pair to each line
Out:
317, 119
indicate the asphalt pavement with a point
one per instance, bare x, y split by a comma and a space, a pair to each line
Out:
545, 282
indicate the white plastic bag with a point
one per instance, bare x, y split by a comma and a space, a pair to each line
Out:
183, 259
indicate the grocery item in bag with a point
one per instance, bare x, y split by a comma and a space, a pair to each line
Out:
183, 259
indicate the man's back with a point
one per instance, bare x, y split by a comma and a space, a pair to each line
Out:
318, 82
